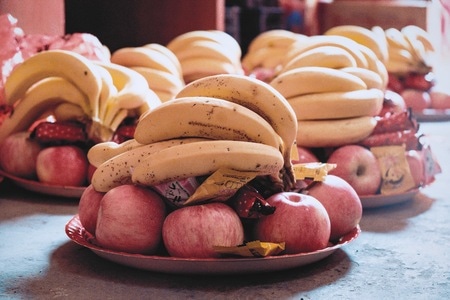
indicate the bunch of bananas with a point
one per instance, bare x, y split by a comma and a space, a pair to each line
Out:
68, 86
220, 121
268, 49
203, 53
410, 50
336, 87
158, 64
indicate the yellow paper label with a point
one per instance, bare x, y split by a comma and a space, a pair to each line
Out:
315, 170
252, 249
395, 173
220, 185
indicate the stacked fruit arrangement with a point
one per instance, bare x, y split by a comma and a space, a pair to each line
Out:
206, 52
412, 56
87, 102
337, 85
208, 170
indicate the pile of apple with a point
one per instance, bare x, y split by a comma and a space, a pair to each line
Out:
63, 165
419, 91
137, 219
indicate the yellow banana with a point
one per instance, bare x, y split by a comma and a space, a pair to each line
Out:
71, 66
41, 97
309, 80
196, 68
382, 41
363, 36
322, 56
274, 38
101, 152
229, 41
270, 58
117, 170
108, 91
327, 40
396, 39
143, 57
334, 132
205, 117
167, 52
207, 49
66, 111
183, 41
255, 95
206, 157
370, 78
376, 65
132, 90
413, 32
338, 105
160, 80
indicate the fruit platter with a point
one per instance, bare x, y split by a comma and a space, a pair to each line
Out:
192, 154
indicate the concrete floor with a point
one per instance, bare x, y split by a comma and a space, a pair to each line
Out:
403, 252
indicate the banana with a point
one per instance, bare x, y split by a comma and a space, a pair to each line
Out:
396, 39
229, 41
74, 67
334, 133
370, 78
322, 56
40, 98
101, 152
207, 49
196, 68
269, 58
206, 157
204, 117
183, 41
338, 105
309, 80
108, 91
160, 80
327, 40
117, 169
413, 32
67, 111
143, 57
255, 95
167, 52
363, 36
132, 90
375, 65
274, 38
382, 41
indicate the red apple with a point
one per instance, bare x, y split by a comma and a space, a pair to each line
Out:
393, 102
305, 155
192, 231
417, 81
88, 207
358, 166
417, 100
299, 220
341, 202
130, 219
18, 155
440, 99
416, 166
62, 165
